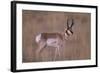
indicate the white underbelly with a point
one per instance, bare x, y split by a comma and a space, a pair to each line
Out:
52, 42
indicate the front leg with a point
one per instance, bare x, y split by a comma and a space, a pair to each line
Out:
55, 54
58, 51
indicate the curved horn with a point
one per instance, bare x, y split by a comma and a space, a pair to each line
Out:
70, 23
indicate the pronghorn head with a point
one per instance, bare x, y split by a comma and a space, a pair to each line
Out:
68, 30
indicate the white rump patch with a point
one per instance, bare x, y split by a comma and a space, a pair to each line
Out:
38, 38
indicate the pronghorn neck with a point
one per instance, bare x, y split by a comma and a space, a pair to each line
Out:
68, 33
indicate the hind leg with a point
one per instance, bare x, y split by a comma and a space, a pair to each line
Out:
39, 49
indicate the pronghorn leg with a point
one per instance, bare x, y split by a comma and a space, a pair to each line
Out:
55, 55
39, 49
38, 52
58, 51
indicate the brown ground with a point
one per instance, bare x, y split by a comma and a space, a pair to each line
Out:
77, 47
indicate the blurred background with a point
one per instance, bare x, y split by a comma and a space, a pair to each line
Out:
77, 47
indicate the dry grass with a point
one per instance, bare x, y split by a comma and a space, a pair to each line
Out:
77, 47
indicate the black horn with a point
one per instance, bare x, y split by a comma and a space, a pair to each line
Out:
70, 23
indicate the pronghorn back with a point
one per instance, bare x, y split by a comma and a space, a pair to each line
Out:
46, 36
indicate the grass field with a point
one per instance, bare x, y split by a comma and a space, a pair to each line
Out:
77, 47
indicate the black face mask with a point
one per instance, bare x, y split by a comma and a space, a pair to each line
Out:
69, 32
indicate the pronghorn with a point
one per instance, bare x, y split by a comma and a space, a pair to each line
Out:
54, 39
